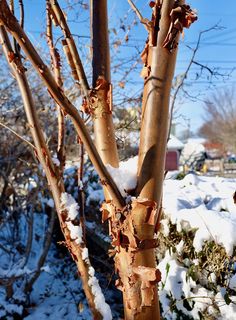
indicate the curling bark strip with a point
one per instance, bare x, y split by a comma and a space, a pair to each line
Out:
52, 174
132, 233
133, 230
12, 25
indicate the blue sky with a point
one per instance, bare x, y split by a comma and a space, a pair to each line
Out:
217, 50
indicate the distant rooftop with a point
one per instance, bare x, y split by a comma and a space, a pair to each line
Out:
174, 143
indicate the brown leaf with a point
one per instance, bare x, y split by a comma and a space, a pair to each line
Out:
122, 84
81, 307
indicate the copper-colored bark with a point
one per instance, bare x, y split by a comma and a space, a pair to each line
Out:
56, 67
102, 106
60, 20
155, 113
140, 294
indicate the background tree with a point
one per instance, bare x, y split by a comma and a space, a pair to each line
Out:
220, 119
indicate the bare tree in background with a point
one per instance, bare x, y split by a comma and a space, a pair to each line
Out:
220, 119
133, 221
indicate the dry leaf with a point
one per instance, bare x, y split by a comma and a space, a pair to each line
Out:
122, 84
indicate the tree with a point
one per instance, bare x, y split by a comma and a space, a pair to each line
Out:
220, 119
133, 221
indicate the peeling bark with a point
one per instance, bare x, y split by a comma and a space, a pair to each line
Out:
132, 232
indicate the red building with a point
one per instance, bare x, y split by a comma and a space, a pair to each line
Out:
174, 148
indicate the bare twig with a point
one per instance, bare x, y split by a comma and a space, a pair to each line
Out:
185, 74
136, 10
42, 258
30, 222
54, 180
81, 195
22, 13
17, 135
143, 20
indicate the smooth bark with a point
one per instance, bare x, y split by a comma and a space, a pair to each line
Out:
155, 113
102, 107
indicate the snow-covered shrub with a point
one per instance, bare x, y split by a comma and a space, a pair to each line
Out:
196, 252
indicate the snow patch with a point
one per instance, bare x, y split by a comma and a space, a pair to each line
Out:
232, 282
55, 160
177, 286
85, 255
99, 299
69, 203
50, 203
126, 175
199, 202
76, 232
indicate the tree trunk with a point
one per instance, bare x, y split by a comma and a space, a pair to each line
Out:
135, 259
132, 225
155, 116
102, 107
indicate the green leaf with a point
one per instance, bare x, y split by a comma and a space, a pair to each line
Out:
167, 268
227, 298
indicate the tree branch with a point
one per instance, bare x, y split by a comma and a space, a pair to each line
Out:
144, 21
56, 65
17, 135
184, 75
61, 21
101, 108
7, 19
55, 182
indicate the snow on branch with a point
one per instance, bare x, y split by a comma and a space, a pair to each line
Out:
69, 204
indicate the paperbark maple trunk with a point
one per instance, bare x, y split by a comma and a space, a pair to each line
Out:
102, 107
136, 263
155, 116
